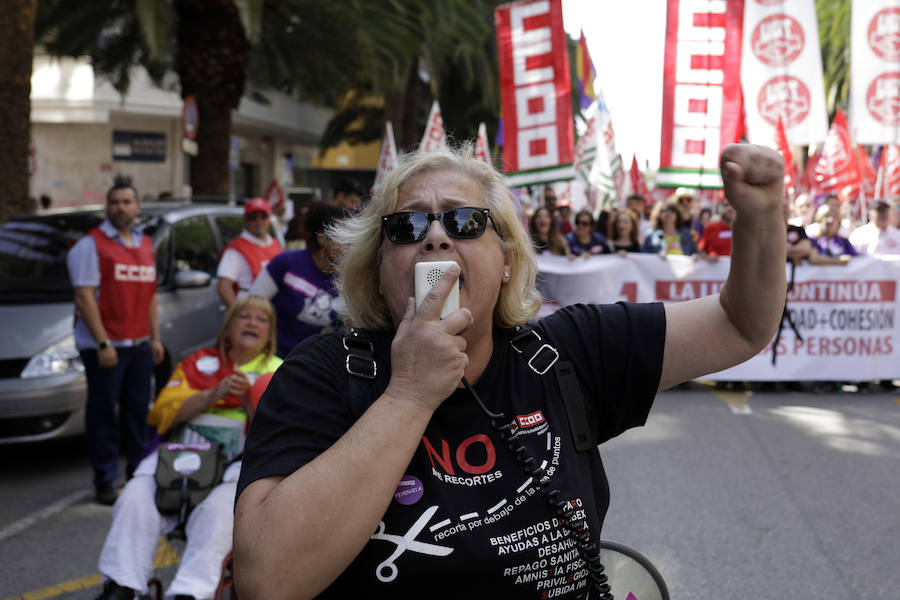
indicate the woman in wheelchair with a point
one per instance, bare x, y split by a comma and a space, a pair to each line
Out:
207, 401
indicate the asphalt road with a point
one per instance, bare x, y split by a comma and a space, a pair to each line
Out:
766, 495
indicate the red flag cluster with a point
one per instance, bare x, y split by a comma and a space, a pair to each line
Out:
838, 169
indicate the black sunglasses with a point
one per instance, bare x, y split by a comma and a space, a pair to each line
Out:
463, 223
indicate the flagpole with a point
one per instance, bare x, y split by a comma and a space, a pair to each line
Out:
861, 197
879, 177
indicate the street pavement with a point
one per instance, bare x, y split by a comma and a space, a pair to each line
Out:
731, 494
763, 496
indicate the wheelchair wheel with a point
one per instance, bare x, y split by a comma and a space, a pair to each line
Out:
631, 574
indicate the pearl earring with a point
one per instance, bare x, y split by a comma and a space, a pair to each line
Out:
505, 274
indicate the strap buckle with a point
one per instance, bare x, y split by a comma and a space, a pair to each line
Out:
361, 366
353, 340
545, 357
360, 354
528, 341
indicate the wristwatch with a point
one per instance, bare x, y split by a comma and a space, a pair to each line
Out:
103, 345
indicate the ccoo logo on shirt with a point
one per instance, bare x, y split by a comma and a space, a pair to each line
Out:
143, 273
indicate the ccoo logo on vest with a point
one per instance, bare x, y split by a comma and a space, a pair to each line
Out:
126, 272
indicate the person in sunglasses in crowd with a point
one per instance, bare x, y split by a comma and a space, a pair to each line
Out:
419, 456
246, 255
671, 235
584, 241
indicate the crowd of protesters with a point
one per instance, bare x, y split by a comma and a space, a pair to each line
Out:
679, 225
820, 231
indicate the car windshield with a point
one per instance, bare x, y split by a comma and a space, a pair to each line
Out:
33, 254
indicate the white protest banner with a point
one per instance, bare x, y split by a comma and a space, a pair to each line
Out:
701, 90
535, 92
434, 137
846, 315
781, 72
875, 72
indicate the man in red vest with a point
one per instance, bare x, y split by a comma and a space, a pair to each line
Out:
716, 238
247, 255
113, 275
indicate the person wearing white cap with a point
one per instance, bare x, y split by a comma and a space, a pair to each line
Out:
247, 255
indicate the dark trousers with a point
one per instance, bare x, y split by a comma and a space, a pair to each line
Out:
126, 386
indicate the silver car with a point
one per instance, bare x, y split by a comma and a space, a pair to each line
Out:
42, 385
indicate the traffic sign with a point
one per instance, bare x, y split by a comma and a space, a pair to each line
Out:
190, 118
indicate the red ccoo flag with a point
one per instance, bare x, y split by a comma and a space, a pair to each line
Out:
869, 177
807, 181
482, 150
388, 157
790, 169
838, 169
638, 183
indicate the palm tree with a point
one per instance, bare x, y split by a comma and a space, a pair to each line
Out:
442, 49
203, 41
834, 37
16, 43
211, 61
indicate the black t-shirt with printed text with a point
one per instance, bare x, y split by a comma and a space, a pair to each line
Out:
466, 517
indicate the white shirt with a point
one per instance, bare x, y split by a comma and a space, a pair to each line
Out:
871, 241
235, 267
645, 228
264, 285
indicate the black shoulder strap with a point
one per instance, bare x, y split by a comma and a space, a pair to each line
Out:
541, 356
526, 341
360, 364
360, 354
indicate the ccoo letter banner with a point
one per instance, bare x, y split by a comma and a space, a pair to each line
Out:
875, 72
535, 91
781, 72
701, 90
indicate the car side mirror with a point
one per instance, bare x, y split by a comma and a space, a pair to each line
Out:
191, 279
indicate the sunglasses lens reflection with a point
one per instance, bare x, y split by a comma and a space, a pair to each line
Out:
461, 223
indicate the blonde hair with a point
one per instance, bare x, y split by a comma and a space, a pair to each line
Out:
223, 344
360, 240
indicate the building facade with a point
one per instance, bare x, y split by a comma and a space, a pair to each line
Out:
84, 133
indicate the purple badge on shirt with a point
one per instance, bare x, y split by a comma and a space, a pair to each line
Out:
409, 491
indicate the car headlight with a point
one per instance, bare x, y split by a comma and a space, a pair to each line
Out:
57, 359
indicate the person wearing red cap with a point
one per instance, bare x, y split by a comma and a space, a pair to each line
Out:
247, 255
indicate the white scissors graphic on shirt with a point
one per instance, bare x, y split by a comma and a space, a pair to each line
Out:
406, 542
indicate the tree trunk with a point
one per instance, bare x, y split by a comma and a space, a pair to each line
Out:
401, 108
209, 169
211, 65
411, 133
16, 52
